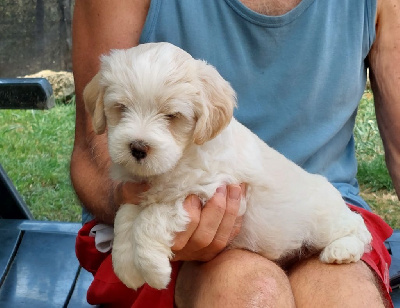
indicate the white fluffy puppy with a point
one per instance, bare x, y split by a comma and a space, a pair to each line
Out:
169, 121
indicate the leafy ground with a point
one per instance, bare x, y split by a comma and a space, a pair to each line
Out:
35, 148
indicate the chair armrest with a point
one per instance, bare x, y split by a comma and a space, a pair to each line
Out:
26, 93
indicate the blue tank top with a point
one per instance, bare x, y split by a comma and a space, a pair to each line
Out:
299, 77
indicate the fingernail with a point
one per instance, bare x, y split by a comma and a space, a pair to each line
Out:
234, 192
222, 190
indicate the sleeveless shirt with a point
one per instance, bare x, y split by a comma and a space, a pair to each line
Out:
298, 77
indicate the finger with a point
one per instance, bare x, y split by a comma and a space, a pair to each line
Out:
192, 205
229, 227
239, 219
228, 221
243, 187
236, 228
210, 219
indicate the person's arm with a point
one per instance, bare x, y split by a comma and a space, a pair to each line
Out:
98, 27
384, 59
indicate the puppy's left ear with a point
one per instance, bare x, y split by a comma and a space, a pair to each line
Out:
215, 110
93, 98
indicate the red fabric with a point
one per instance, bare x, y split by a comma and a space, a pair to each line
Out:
379, 258
107, 290
85, 249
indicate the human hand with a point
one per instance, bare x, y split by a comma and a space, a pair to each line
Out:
122, 193
128, 192
211, 228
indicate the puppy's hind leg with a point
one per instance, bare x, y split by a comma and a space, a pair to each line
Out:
351, 246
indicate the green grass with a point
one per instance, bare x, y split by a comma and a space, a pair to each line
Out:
35, 149
375, 182
372, 171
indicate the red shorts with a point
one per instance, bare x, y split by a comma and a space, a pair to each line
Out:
107, 290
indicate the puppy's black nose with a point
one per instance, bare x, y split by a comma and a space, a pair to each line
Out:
139, 149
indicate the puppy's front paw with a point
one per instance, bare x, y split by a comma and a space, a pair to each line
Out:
156, 270
158, 278
127, 272
344, 250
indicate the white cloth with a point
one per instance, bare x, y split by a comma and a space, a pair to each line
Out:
103, 237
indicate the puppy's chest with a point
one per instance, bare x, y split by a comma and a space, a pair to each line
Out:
199, 175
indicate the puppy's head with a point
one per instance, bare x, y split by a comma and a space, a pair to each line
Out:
156, 100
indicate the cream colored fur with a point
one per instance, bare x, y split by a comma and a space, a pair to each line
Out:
181, 109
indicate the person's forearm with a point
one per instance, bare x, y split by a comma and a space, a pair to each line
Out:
390, 135
384, 59
90, 179
98, 26
389, 127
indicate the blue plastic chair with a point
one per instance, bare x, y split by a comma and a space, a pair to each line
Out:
38, 266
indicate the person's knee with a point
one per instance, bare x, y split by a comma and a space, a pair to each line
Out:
316, 284
235, 278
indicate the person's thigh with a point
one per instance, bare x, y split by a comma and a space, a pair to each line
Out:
316, 284
235, 278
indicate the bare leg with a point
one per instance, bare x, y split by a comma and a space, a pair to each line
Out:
316, 284
235, 278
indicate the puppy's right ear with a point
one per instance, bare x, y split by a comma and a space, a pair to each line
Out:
93, 98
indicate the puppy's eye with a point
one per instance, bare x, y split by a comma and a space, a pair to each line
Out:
172, 116
121, 107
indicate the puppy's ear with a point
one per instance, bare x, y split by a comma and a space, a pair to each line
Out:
93, 98
217, 101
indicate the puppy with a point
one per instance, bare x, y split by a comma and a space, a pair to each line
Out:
169, 121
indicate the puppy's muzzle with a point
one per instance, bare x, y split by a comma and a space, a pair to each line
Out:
139, 149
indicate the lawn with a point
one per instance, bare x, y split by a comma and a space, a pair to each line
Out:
376, 185
35, 149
